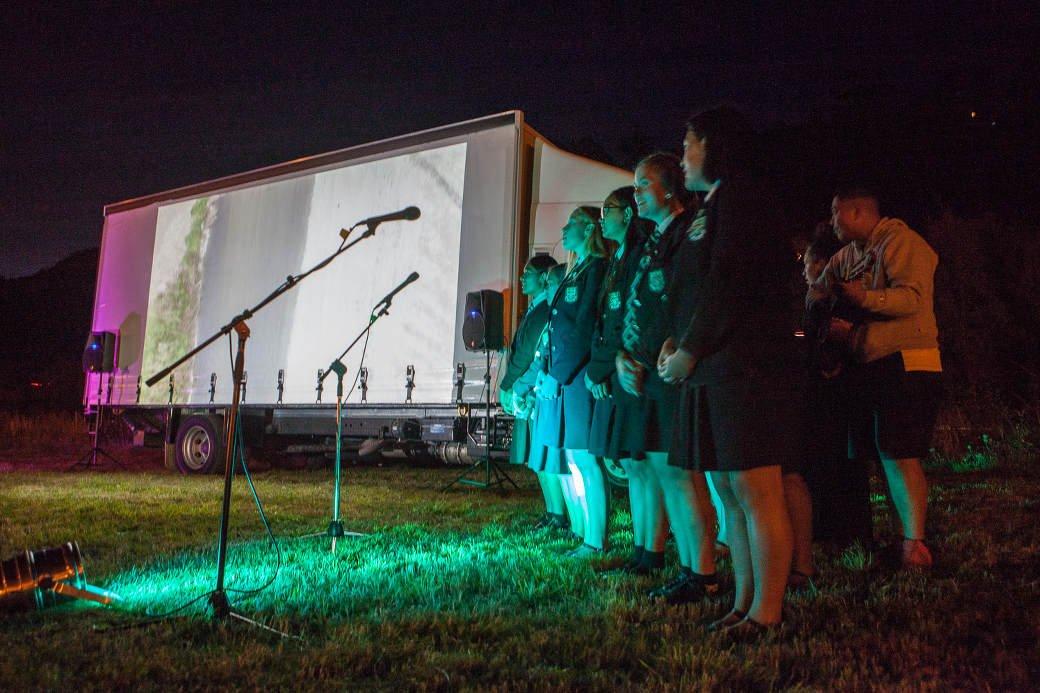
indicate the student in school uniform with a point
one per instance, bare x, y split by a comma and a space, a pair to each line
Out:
645, 427
547, 461
840, 488
565, 412
622, 225
516, 389
740, 365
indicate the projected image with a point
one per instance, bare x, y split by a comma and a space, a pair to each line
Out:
175, 292
217, 255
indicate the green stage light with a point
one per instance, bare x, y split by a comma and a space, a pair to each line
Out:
42, 578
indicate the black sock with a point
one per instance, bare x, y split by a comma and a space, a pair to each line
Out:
710, 579
637, 555
652, 559
561, 519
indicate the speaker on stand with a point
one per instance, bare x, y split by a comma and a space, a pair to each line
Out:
99, 357
482, 330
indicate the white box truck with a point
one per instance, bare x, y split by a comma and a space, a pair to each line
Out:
176, 266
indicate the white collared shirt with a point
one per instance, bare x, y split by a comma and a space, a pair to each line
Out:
668, 220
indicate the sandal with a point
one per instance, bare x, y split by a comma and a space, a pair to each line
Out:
748, 629
731, 619
916, 556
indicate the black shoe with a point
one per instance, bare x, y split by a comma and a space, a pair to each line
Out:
660, 591
546, 521
559, 522
583, 551
686, 587
629, 567
650, 563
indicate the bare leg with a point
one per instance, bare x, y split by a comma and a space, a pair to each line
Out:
760, 492
690, 513
635, 501
552, 492
799, 507
909, 491
720, 513
739, 548
597, 496
575, 506
655, 519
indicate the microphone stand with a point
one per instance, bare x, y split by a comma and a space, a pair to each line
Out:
218, 597
335, 529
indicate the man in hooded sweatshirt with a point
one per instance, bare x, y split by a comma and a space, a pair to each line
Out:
885, 275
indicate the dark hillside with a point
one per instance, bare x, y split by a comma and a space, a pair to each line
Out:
46, 320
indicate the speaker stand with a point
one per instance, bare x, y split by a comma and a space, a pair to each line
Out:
494, 475
97, 457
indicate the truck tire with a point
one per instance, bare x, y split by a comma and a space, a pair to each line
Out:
616, 474
199, 446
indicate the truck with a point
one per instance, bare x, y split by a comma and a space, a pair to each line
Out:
177, 265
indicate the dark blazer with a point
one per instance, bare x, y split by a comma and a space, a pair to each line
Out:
741, 320
655, 289
525, 341
606, 336
572, 318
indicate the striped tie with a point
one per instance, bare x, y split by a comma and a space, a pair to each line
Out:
631, 331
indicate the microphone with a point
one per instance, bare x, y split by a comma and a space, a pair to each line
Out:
390, 296
406, 214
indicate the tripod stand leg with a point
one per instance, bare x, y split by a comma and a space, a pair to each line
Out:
491, 468
90, 458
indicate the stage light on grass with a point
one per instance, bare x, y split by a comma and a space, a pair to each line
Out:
45, 577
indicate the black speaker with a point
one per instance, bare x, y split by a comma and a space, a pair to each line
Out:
99, 356
482, 326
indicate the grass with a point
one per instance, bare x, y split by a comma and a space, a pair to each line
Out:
449, 590
46, 432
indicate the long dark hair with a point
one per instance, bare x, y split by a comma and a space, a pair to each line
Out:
638, 231
729, 141
625, 198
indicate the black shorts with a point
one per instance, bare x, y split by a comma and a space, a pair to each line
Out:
737, 425
892, 412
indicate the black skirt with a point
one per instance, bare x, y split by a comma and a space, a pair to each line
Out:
602, 424
520, 447
542, 457
564, 422
644, 424
603, 414
737, 425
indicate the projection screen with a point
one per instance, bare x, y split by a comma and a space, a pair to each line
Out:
177, 267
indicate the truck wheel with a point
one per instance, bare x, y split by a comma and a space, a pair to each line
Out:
616, 474
200, 445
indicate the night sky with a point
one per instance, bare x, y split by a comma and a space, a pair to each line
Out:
109, 101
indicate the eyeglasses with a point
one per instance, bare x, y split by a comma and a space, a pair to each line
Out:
604, 208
